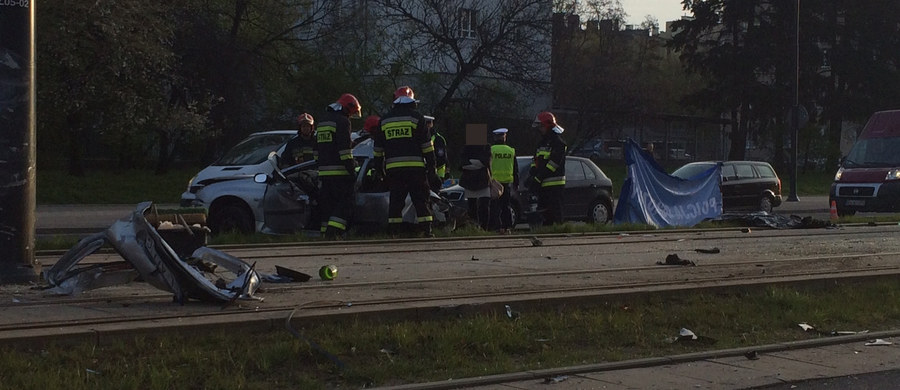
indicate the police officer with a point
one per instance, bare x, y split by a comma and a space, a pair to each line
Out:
505, 170
302, 147
440, 150
404, 150
548, 169
336, 165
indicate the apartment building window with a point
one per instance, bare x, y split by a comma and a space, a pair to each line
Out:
467, 22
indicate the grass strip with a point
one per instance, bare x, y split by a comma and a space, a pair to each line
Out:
390, 352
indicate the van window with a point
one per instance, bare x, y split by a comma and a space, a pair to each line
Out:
874, 153
765, 171
744, 171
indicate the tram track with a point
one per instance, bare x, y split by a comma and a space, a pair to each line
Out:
366, 247
739, 272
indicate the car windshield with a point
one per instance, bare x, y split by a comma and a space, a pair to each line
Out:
254, 150
688, 171
874, 153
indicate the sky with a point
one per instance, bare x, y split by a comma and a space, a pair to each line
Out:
663, 10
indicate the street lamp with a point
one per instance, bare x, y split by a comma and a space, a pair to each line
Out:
795, 109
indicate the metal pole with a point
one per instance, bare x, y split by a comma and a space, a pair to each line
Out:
17, 149
795, 109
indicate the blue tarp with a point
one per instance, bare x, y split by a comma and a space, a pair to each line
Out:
652, 196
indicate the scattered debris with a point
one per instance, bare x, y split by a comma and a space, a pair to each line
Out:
751, 355
745, 230
673, 259
707, 251
511, 314
328, 272
295, 276
535, 241
474, 258
806, 328
686, 335
556, 379
878, 342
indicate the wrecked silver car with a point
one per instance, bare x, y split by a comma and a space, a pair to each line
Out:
152, 259
281, 200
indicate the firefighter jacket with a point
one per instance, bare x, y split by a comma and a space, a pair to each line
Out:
300, 149
440, 154
503, 163
403, 141
333, 141
549, 165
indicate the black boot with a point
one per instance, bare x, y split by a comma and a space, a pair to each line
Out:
426, 230
333, 233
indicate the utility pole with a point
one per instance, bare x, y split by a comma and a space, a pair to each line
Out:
17, 139
795, 109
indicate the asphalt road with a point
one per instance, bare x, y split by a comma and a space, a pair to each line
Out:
57, 219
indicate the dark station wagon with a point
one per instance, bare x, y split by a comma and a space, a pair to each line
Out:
746, 185
587, 196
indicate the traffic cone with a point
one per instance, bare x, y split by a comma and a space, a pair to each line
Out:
834, 214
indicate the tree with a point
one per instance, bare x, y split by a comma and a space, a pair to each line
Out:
607, 78
850, 64
104, 70
464, 43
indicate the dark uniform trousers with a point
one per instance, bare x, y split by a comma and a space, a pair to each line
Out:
336, 201
408, 181
501, 213
550, 200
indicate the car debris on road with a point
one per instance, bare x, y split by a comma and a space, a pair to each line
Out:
150, 257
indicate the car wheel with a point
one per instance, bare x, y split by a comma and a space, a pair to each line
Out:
765, 204
600, 212
232, 216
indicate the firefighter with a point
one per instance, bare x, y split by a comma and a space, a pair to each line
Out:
548, 168
505, 170
403, 150
370, 126
336, 165
440, 151
302, 147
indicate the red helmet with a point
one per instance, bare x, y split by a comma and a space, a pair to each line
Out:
404, 94
544, 118
305, 118
371, 123
350, 105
